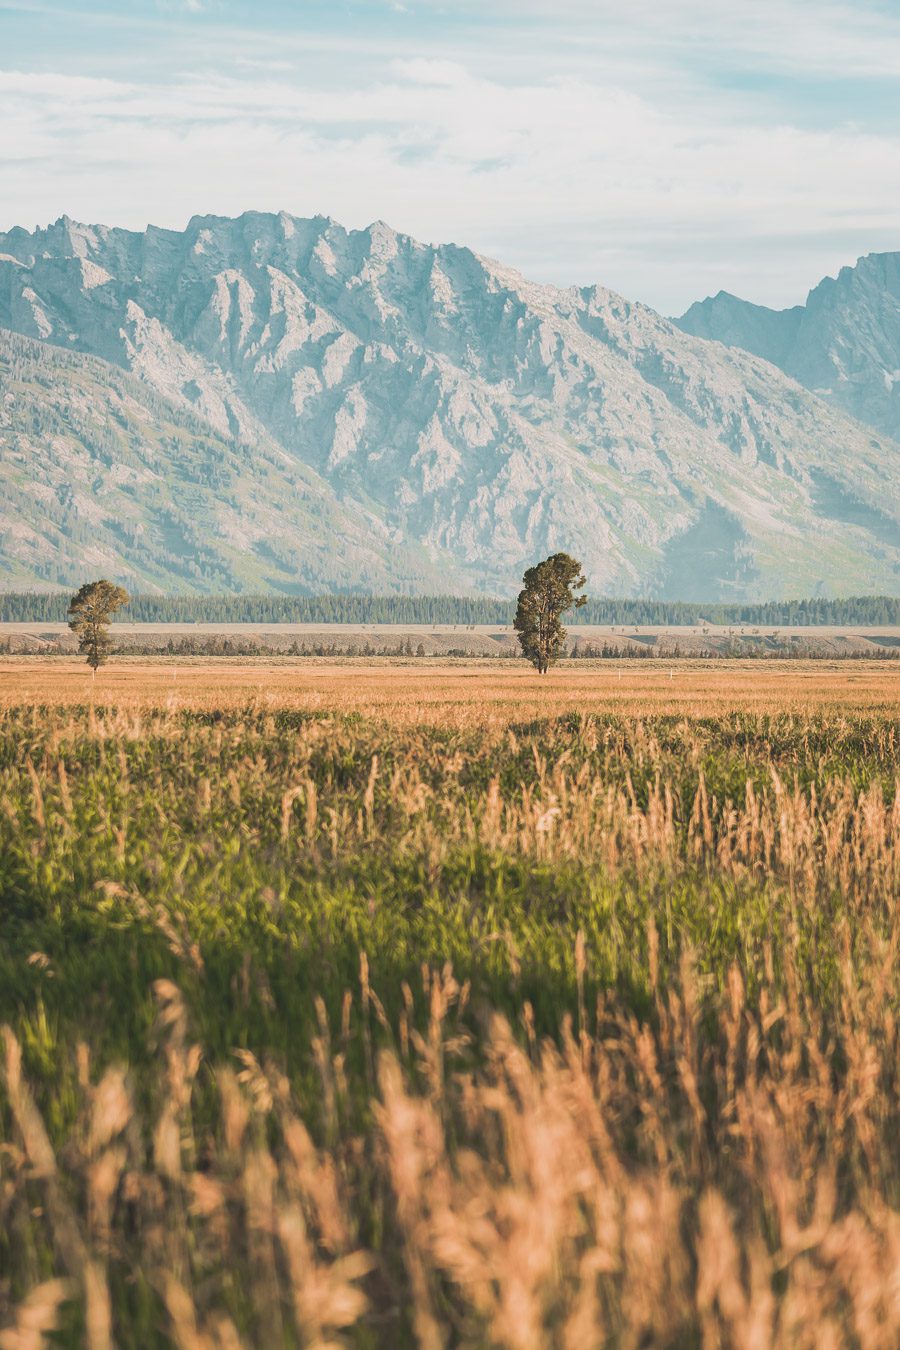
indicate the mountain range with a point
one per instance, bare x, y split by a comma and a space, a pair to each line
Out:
843, 344
275, 403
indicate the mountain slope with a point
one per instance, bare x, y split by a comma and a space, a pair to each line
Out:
844, 343
101, 475
473, 415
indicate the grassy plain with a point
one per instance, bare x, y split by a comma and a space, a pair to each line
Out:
451, 692
445, 1005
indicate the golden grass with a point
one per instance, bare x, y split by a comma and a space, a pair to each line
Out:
698, 1148
490, 692
565, 1195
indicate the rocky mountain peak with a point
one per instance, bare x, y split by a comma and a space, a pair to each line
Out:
843, 343
478, 417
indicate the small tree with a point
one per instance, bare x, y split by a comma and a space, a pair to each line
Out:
549, 591
90, 612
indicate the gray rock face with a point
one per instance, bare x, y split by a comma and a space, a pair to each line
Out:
477, 420
100, 475
843, 344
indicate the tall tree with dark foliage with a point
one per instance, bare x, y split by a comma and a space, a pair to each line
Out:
90, 612
549, 591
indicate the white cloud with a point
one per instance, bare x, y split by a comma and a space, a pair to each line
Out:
607, 163
425, 70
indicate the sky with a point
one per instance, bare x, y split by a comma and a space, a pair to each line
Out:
665, 148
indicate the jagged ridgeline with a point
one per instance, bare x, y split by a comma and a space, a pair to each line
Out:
51, 607
844, 343
271, 404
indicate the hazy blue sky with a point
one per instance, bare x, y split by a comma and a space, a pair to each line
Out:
666, 148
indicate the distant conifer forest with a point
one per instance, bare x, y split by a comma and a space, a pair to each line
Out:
51, 606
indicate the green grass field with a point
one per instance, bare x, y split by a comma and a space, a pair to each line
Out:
327, 1027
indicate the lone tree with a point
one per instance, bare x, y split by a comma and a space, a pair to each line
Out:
549, 591
90, 612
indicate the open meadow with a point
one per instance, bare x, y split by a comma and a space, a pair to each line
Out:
483, 692
442, 1004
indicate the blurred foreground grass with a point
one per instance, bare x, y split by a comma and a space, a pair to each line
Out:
331, 1028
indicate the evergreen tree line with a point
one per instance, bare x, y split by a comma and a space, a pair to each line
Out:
52, 606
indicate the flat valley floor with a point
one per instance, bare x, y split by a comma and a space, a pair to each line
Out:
433, 691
